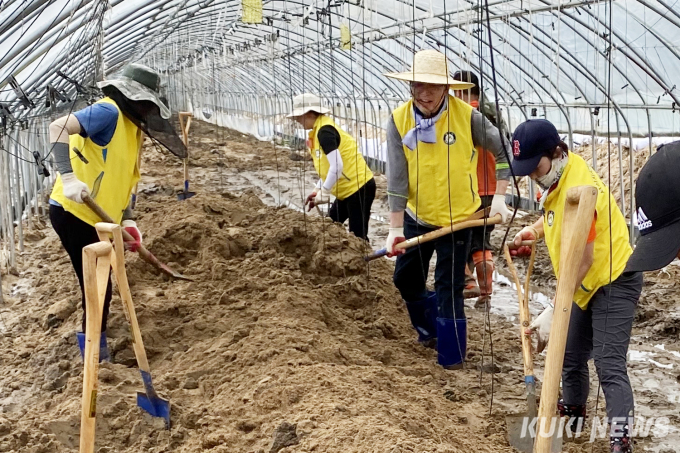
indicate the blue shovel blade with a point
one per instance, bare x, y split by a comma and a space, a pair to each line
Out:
151, 402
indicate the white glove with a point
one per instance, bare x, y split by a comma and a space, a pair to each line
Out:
323, 196
395, 236
73, 187
541, 327
498, 206
131, 227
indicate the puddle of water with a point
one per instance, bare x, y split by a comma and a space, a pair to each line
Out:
22, 287
505, 303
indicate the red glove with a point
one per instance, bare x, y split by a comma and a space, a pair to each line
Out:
527, 233
309, 202
131, 227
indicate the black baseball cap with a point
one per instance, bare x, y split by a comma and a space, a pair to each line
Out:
657, 197
466, 76
470, 77
531, 141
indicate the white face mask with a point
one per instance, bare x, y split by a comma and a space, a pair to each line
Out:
557, 165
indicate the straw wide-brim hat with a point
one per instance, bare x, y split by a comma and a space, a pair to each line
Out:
430, 66
307, 102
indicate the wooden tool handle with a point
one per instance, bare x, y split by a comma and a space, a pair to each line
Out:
469, 223
447, 230
524, 315
96, 266
185, 138
187, 127
118, 266
511, 244
141, 250
578, 216
184, 126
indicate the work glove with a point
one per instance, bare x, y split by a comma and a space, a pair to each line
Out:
528, 233
322, 196
541, 327
73, 187
131, 227
395, 236
498, 206
309, 201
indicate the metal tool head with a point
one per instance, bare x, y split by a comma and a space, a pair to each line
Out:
157, 407
184, 195
522, 432
151, 402
174, 273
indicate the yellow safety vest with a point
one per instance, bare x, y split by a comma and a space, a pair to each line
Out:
355, 172
442, 176
111, 172
579, 173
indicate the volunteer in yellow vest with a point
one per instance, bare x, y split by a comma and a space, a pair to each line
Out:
432, 177
341, 167
605, 295
481, 258
95, 151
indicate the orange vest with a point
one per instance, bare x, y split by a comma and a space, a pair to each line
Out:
486, 168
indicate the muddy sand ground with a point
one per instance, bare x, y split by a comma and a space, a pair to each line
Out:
286, 341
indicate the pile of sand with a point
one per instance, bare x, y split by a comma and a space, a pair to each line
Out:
285, 337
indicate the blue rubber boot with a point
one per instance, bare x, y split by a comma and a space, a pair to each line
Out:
81, 343
103, 346
431, 312
103, 349
451, 342
423, 314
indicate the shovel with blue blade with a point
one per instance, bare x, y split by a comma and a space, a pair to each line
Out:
185, 124
149, 399
522, 427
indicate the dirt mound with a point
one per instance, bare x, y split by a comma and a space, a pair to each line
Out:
657, 314
614, 172
285, 341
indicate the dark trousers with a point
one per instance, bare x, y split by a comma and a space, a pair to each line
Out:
356, 208
410, 273
75, 235
603, 331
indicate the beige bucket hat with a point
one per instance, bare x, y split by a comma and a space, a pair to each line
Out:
430, 66
307, 102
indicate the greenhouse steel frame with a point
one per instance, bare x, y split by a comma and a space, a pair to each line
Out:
595, 68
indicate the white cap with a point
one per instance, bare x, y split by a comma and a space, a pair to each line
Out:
307, 102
